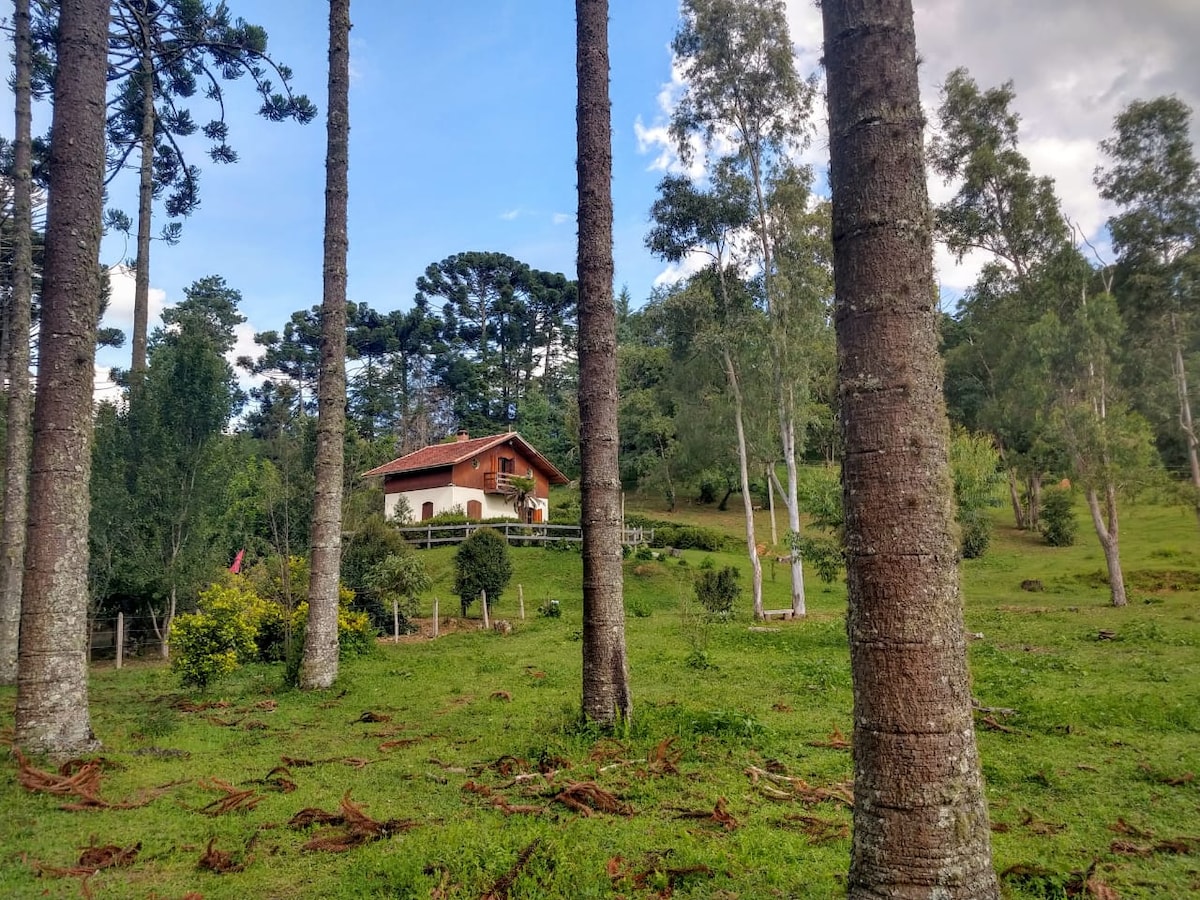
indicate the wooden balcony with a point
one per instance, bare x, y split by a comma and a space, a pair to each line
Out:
497, 482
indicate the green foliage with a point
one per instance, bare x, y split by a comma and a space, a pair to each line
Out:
481, 564
823, 555
396, 581
371, 543
820, 494
717, 590
550, 609
975, 465
1058, 521
212, 642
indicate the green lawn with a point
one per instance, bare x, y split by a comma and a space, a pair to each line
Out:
716, 789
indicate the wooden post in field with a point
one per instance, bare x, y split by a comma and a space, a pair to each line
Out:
120, 639
483, 599
521, 600
435, 617
395, 620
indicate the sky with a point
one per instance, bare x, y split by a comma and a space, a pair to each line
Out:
462, 135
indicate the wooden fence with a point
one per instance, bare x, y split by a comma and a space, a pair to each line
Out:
427, 536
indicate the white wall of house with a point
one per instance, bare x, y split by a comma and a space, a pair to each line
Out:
447, 497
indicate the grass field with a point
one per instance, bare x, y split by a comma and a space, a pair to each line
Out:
730, 782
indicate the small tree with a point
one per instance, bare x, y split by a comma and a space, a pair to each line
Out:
395, 582
481, 564
1058, 524
718, 590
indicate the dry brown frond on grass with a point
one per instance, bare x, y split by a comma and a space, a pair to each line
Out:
586, 797
500, 890
234, 799
820, 831
720, 815
798, 788
218, 861
835, 741
80, 779
350, 827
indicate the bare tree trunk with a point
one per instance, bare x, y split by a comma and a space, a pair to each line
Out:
319, 668
607, 698
920, 817
141, 275
744, 473
16, 420
52, 703
1108, 534
1185, 411
1034, 518
792, 499
771, 503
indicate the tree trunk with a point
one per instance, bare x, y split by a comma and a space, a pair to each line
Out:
607, 698
52, 702
1034, 518
792, 501
1185, 411
920, 818
16, 420
320, 664
744, 472
141, 275
1109, 533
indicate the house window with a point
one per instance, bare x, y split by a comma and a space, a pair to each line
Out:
426, 510
506, 465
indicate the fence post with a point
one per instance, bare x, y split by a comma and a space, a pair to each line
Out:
435, 617
483, 599
521, 599
120, 639
395, 620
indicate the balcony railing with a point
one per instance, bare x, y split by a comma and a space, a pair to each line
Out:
497, 482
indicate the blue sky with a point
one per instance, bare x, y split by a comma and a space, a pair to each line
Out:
462, 134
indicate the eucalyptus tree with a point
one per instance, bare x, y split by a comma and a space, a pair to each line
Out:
920, 815
161, 52
1002, 209
607, 697
1154, 178
18, 407
319, 666
742, 91
52, 702
690, 220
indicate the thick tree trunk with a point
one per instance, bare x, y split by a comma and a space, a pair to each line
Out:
744, 473
16, 420
52, 702
607, 698
920, 819
1109, 533
320, 664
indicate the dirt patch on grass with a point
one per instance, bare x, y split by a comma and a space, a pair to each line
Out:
424, 629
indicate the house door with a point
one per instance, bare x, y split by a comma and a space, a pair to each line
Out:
474, 509
426, 510
537, 515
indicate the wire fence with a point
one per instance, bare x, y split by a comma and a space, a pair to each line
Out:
120, 638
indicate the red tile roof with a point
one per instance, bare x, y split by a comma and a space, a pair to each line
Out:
437, 456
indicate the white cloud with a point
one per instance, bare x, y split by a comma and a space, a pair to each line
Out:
120, 306
243, 336
694, 262
510, 215
562, 218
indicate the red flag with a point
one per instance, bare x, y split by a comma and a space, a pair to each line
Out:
237, 562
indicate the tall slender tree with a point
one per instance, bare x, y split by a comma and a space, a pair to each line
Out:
920, 818
17, 413
606, 692
319, 667
52, 702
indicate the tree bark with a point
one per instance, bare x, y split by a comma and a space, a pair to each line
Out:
607, 698
319, 667
920, 818
1185, 411
141, 274
52, 703
19, 407
1109, 534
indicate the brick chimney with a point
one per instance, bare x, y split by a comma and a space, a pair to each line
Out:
463, 436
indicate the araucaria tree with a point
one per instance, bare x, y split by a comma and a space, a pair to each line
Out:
52, 702
320, 664
920, 818
20, 400
606, 694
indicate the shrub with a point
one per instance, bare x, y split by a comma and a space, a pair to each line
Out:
372, 543
393, 584
975, 533
717, 590
218, 637
975, 465
481, 564
822, 554
551, 609
1058, 522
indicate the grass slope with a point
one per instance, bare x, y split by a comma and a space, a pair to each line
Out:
727, 785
